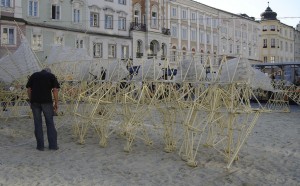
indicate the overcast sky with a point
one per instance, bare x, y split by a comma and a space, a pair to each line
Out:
288, 11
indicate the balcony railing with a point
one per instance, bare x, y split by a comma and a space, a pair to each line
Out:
138, 26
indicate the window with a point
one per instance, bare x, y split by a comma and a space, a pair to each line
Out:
193, 17
33, 8
108, 21
272, 43
5, 3
79, 43
272, 59
8, 36
250, 51
76, 15
265, 28
174, 31
139, 49
201, 18
202, 37
184, 33
112, 51
55, 12
174, 12
59, 40
184, 14
136, 16
286, 46
281, 45
125, 52
122, 2
208, 21
36, 43
265, 59
154, 20
265, 45
208, 39
291, 47
122, 23
238, 51
230, 48
94, 20
272, 27
97, 50
193, 35
215, 22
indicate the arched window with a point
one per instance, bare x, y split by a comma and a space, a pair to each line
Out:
139, 49
174, 53
164, 51
154, 48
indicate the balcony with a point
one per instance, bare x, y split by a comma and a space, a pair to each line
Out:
138, 26
166, 31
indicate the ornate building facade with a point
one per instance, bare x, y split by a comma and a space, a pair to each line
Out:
277, 39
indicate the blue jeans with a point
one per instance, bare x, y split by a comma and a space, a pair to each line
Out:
47, 110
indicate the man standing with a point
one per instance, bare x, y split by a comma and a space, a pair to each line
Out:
39, 88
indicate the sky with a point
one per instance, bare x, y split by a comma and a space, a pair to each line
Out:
288, 11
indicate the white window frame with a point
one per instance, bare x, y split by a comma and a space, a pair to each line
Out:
154, 21
97, 50
183, 14
193, 17
57, 14
122, 23
201, 19
37, 41
112, 48
94, 21
125, 52
174, 12
273, 44
193, 35
76, 15
109, 23
9, 38
6, 3
33, 8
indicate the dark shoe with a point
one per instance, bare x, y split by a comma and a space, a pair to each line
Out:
53, 148
40, 148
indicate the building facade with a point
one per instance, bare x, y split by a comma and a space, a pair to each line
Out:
11, 26
277, 39
297, 43
199, 30
149, 31
146, 29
